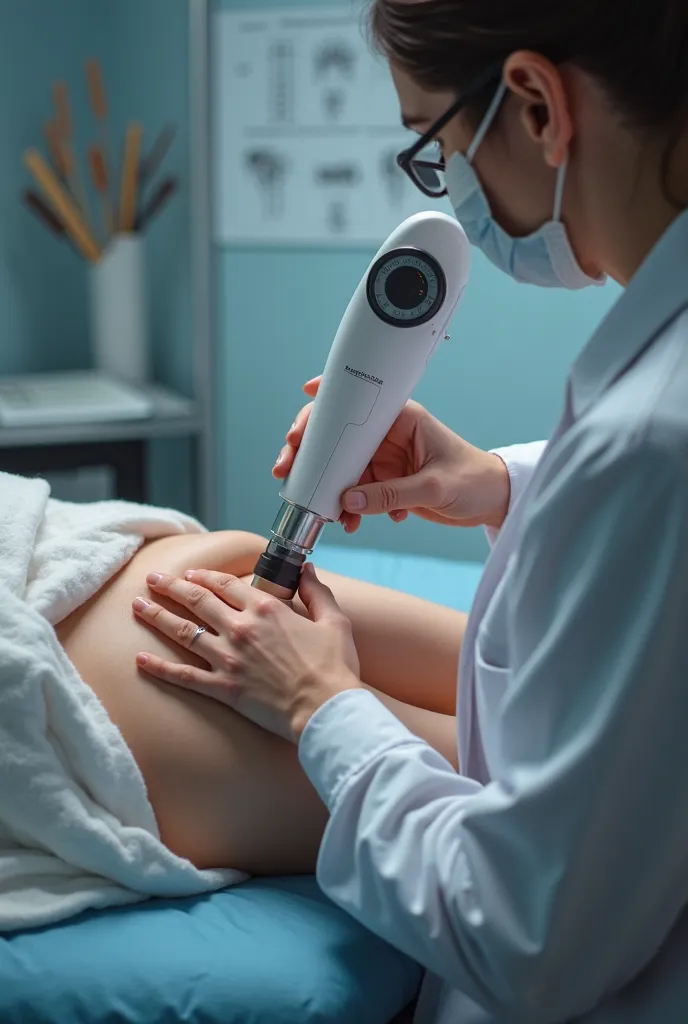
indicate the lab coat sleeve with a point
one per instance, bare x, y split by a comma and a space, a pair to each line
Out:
520, 461
559, 880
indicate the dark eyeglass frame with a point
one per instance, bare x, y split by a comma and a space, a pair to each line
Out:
406, 159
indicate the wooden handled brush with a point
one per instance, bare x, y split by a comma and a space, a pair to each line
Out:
96, 90
99, 176
130, 177
100, 161
62, 204
64, 134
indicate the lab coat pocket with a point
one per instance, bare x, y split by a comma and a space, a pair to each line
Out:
491, 685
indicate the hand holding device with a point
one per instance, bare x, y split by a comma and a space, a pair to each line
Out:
422, 467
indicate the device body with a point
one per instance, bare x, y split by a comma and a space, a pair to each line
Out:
397, 316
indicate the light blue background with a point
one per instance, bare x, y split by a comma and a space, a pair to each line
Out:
499, 379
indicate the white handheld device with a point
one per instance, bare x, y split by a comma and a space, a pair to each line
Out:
393, 323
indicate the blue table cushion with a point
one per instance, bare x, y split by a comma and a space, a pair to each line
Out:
271, 951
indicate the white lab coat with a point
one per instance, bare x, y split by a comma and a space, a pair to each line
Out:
548, 882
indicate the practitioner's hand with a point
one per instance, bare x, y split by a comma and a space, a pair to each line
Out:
269, 664
421, 467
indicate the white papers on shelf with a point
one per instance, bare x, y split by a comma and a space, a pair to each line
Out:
84, 396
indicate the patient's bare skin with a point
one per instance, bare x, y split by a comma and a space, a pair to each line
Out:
226, 793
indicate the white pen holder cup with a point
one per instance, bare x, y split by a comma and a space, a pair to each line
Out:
119, 310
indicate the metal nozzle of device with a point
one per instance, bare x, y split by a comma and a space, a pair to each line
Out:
295, 533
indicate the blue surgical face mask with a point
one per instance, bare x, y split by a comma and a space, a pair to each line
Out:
546, 257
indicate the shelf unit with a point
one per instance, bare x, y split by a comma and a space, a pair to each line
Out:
174, 416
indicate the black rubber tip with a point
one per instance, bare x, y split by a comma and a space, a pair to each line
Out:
279, 571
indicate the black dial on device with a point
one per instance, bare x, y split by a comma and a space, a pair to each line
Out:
406, 287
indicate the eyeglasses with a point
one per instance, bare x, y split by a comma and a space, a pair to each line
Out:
423, 161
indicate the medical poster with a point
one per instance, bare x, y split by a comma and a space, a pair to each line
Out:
307, 132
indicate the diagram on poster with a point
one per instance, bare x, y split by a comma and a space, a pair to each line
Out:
307, 132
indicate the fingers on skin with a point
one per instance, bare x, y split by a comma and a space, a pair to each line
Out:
318, 599
188, 676
205, 605
229, 589
181, 630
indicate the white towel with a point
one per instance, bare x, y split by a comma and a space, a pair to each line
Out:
77, 830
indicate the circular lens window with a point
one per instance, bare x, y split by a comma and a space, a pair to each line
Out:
406, 287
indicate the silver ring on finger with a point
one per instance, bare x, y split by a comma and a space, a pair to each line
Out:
199, 632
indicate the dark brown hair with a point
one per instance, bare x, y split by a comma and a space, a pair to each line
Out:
636, 49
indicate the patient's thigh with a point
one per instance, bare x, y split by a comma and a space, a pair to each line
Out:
225, 793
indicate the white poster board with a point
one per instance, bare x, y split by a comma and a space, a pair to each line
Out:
307, 131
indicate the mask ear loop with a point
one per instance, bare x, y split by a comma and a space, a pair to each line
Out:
559, 188
486, 122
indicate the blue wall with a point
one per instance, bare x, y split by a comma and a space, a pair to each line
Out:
43, 296
499, 380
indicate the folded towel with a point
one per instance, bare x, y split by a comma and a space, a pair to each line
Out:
77, 830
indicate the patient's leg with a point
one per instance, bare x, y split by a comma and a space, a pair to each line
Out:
408, 648
226, 793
